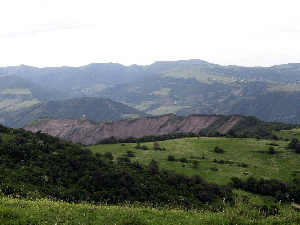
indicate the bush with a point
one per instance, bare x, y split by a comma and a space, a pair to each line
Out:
218, 150
184, 160
294, 142
214, 168
138, 146
108, 155
130, 154
171, 158
271, 150
195, 162
243, 165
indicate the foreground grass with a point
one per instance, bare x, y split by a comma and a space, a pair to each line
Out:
45, 211
241, 156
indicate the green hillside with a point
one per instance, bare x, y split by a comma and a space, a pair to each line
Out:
240, 155
17, 93
47, 180
96, 109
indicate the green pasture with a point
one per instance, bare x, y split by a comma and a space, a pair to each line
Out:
166, 110
16, 91
198, 73
242, 158
8, 102
288, 134
22, 105
247, 210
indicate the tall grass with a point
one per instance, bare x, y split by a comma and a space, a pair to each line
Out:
45, 211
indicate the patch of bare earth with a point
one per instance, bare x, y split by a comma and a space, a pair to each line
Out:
82, 130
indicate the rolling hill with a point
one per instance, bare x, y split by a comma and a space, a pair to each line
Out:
17, 93
96, 109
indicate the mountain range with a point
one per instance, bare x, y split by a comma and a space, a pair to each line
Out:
181, 87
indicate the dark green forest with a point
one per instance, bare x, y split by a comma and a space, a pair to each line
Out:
39, 165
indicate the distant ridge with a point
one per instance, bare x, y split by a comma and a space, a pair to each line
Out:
96, 109
181, 87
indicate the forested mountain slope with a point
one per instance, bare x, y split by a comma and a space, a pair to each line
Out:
96, 109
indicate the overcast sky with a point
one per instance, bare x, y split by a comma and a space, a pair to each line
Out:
46, 33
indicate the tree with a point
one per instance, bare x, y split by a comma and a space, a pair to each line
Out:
257, 137
171, 158
294, 142
153, 167
218, 150
231, 133
271, 150
274, 137
195, 162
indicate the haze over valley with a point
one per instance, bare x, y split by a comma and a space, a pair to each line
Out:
181, 87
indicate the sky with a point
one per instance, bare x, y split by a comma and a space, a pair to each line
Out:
53, 33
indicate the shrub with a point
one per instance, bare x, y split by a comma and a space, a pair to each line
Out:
293, 143
108, 155
274, 137
171, 158
130, 154
243, 165
218, 150
271, 150
221, 161
184, 160
214, 168
138, 146
297, 149
195, 162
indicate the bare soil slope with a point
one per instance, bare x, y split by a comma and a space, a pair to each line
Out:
84, 131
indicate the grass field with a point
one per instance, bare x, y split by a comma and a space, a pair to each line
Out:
289, 134
247, 210
19, 91
22, 105
198, 73
166, 110
240, 156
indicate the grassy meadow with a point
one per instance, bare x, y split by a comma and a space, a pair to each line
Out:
240, 156
247, 210
288, 134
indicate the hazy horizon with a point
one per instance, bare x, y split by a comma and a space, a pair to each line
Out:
55, 33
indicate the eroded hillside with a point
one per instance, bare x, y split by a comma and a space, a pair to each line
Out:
84, 131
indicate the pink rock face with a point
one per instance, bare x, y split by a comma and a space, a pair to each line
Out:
82, 130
